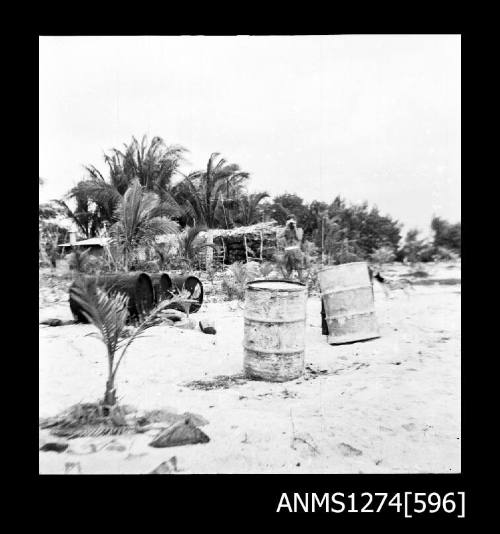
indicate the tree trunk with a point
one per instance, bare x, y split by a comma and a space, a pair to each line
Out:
110, 393
209, 250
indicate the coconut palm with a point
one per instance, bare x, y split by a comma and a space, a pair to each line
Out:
248, 205
154, 165
97, 198
79, 259
203, 193
109, 313
88, 215
137, 223
190, 244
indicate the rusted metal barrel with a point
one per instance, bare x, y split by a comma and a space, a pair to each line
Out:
162, 286
347, 295
192, 284
137, 286
274, 336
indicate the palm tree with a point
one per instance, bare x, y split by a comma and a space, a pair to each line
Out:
248, 208
153, 165
202, 193
86, 216
189, 244
109, 314
137, 223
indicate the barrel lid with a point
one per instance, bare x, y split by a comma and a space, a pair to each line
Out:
328, 267
276, 285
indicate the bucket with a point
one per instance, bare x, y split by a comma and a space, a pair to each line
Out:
274, 335
347, 296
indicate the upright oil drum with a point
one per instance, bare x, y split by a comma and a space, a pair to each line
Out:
274, 336
347, 296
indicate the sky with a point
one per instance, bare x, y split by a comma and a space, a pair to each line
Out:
372, 118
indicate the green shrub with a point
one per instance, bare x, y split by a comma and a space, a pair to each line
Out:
236, 277
445, 254
383, 255
231, 290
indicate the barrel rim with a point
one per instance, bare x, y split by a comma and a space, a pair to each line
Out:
327, 268
249, 285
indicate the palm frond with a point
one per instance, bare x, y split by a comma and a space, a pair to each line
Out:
108, 313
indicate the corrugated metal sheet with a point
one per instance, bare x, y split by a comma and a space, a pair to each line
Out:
93, 241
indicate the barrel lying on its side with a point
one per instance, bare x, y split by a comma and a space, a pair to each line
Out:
274, 338
137, 286
162, 286
347, 295
192, 284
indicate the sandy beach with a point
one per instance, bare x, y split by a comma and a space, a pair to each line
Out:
389, 405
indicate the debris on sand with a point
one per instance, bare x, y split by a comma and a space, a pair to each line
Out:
170, 417
207, 327
166, 468
180, 433
438, 281
311, 372
85, 448
304, 439
348, 450
194, 418
115, 445
90, 419
173, 315
57, 322
72, 466
219, 382
54, 446
419, 273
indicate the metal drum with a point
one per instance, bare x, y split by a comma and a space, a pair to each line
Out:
347, 295
162, 286
137, 286
274, 339
192, 284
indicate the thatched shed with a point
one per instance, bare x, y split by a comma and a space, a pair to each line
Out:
246, 243
258, 242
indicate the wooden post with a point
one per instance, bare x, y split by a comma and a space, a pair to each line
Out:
246, 249
261, 245
223, 251
209, 251
323, 240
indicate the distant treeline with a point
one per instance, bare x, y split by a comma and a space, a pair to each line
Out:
144, 194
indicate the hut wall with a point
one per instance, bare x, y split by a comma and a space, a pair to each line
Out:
235, 246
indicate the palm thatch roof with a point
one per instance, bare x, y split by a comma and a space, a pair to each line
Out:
270, 227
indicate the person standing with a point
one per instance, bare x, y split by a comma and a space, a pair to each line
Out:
293, 254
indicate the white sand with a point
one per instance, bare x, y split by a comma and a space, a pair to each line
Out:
396, 400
